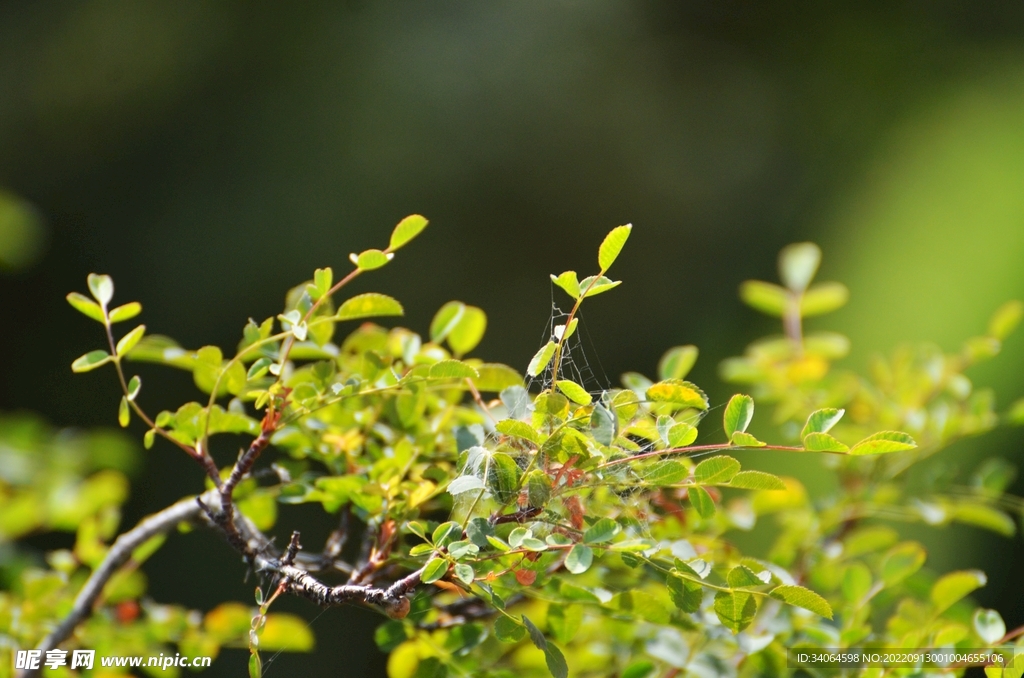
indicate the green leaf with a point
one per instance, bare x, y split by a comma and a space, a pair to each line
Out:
797, 265
90, 361
743, 439
989, 625
452, 369
464, 573
258, 368
134, 385
86, 306
679, 393
743, 577
286, 633
540, 360
822, 421
465, 484
802, 597
508, 630
823, 442
496, 377
985, 517
823, 298
445, 320
856, 582
124, 414
503, 479
406, 230
757, 480
701, 501
677, 362
125, 312
446, 533
468, 331
681, 434
568, 282
884, 442
149, 438
369, 305
579, 559
738, 414
1005, 319
370, 260
686, 594
765, 297
668, 472
574, 392
952, 587
601, 531
902, 561
255, 666
720, 469
434, 570
603, 425
518, 429
129, 340
612, 246
538, 488
735, 609
102, 288
597, 284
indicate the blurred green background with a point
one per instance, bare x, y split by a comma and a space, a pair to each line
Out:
210, 155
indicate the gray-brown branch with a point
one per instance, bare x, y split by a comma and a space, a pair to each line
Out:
251, 543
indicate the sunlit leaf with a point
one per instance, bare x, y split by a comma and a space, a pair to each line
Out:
370, 260
757, 480
452, 369
822, 421
744, 439
902, 561
738, 413
574, 392
884, 442
90, 361
720, 469
1005, 320
407, 229
823, 298
823, 442
612, 246
568, 282
677, 362
579, 559
953, 586
677, 392
798, 263
128, 341
701, 501
369, 305
540, 360
102, 288
86, 306
735, 609
468, 331
603, 530
765, 297
803, 597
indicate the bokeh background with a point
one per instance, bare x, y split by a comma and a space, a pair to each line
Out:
210, 155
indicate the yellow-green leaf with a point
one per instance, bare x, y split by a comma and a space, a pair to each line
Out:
370, 260
286, 633
738, 414
129, 340
452, 369
123, 413
90, 361
406, 230
757, 480
568, 282
701, 501
744, 439
720, 469
369, 305
765, 297
496, 377
798, 263
125, 312
612, 246
735, 609
102, 288
953, 586
823, 298
822, 421
677, 362
1006, 319
540, 360
518, 429
678, 392
823, 442
85, 306
574, 392
468, 331
802, 597
884, 442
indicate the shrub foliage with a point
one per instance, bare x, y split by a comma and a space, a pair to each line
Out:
508, 524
